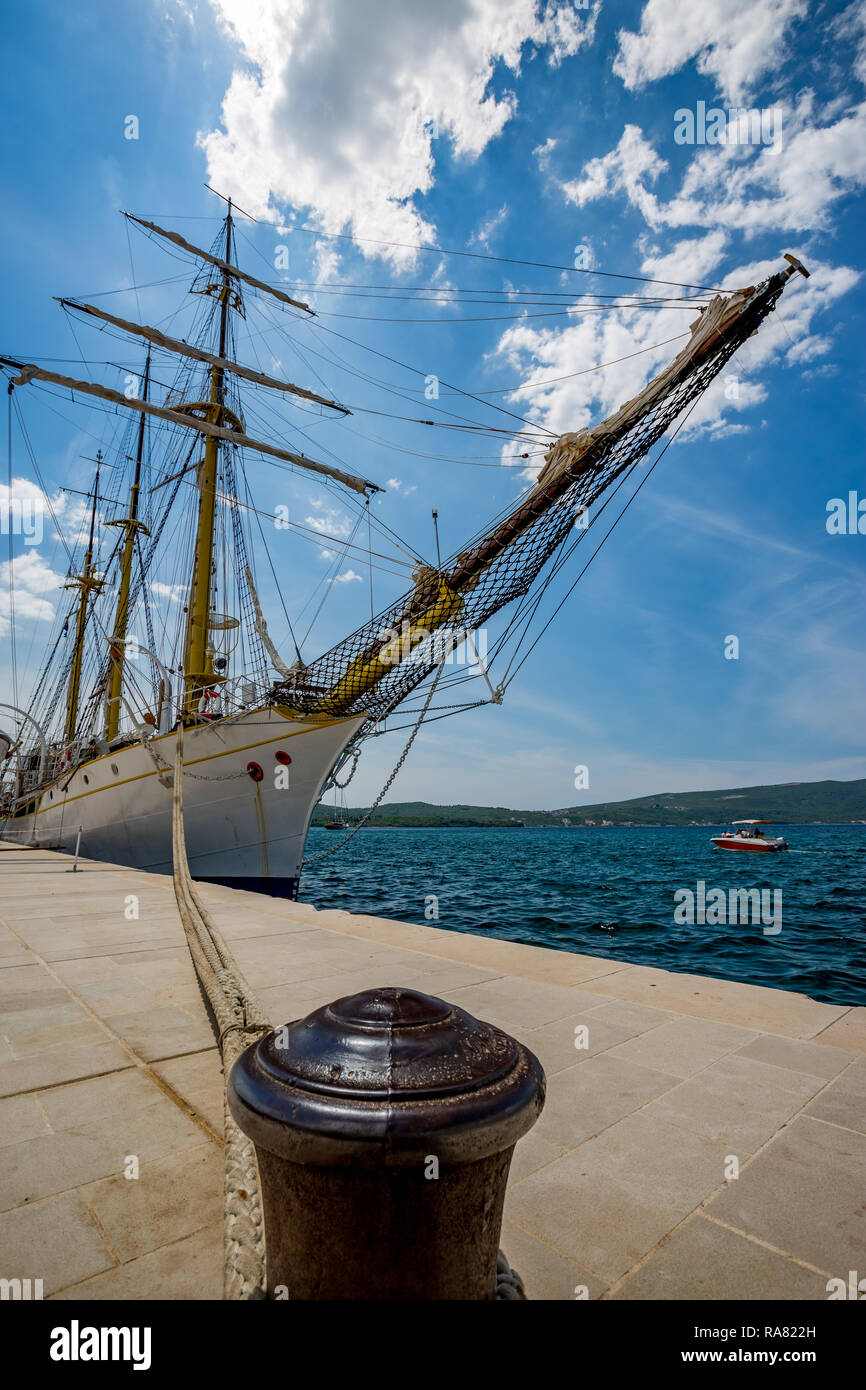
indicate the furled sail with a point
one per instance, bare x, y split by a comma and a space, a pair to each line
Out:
261, 628
29, 372
380, 663
160, 339
225, 266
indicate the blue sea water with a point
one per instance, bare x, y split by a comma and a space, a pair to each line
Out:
610, 892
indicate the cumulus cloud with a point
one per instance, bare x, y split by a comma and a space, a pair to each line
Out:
26, 510
34, 580
328, 521
397, 485
172, 593
720, 196
488, 226
750, 188
735, 44
626, 169
586, 396
544, 152
338, 106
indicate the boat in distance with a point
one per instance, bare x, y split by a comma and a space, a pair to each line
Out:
749, 837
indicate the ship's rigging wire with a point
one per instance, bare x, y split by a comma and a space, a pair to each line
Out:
471, 395
32, 454
417, 371
317, 537
487, 256
572, 312
11, 561
148, 285
508, 559
277, 584
448, 294
370, 551
326, 583
508, 679
584, 371
132, 266
325, 854
530, 601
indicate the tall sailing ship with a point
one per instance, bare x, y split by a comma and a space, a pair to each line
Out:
91, 760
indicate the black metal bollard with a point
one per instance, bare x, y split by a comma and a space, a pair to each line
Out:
384, 1126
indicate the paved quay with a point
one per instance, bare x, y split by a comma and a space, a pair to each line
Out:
623, 1190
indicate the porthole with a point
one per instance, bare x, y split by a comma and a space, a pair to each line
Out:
86, 780
114, 768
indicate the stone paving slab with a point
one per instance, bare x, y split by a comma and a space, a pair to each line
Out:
701, 1138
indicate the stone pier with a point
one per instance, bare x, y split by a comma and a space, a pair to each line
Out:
701, 1139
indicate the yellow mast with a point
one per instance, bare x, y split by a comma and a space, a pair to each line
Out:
132, 525
87, 583
198, 660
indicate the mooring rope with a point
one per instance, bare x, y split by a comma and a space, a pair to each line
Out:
241, 1018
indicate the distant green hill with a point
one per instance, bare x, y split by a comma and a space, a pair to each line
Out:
791, 803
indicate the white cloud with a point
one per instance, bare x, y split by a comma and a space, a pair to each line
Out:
347, 577
174, 593
543, 152
34, 578
587, 397
734, 44
327, 261
726, 191
746, 188
329, 521
626, 169
808, 156
72, 513
490, 224
338, 105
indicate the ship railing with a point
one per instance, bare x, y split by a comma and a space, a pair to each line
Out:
237, 694
36, 770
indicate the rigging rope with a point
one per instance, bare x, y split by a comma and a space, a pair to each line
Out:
481, 256
397, 766
503, 564
11, 561
240, 1019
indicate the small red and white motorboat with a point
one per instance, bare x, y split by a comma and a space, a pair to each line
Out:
750, 838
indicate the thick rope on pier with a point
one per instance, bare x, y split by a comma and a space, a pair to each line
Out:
241, 1019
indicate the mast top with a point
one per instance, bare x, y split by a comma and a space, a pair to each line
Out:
225, 266
232, 205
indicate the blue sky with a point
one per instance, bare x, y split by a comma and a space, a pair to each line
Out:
515, 130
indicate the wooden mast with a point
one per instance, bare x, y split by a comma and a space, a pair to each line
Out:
199, 674
132, 526
86, 583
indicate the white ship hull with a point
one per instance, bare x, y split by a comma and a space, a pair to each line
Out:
237, 829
